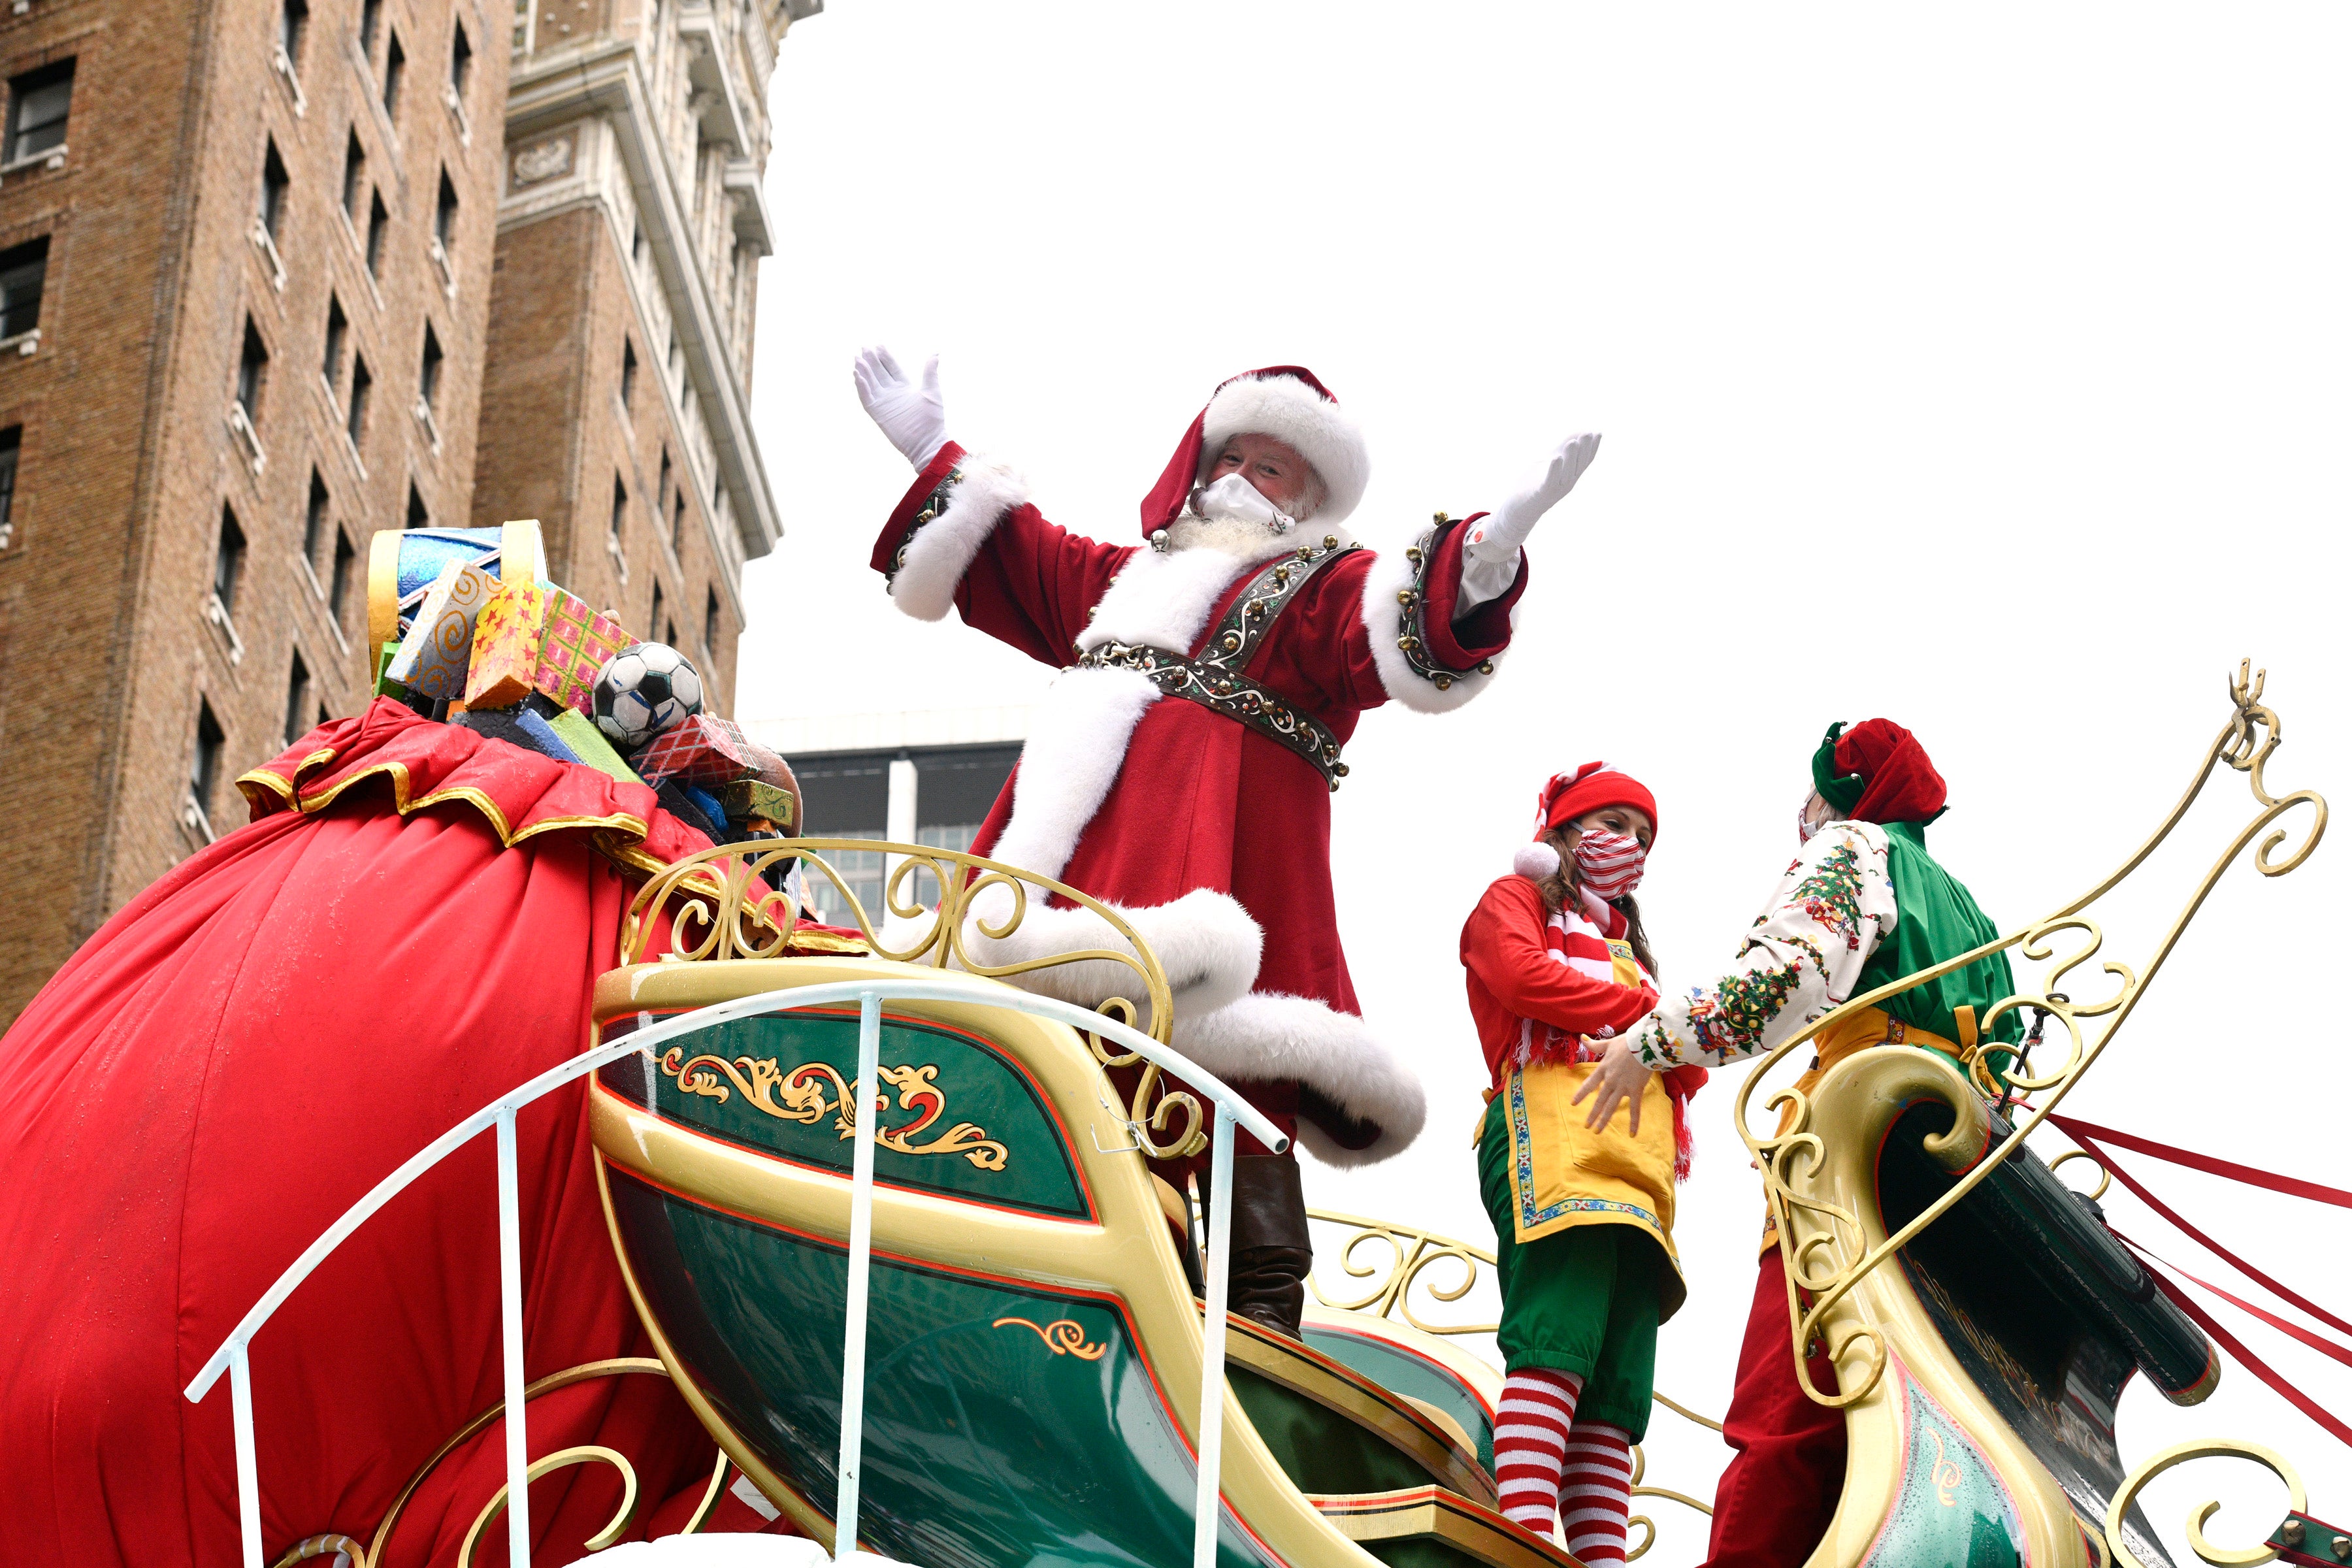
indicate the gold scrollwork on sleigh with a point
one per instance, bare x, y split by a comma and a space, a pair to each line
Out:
733, 902
1822, 1243
801, 1096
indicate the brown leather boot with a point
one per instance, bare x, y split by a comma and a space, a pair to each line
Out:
1272, 1249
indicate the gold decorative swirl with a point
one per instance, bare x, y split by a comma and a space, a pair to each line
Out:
373, 1554
585, 1454
800, 1096
1062, 1336
1411, 1251
1641, 1465
2104, 1177
2164, 1459
728, 903
1826, 1257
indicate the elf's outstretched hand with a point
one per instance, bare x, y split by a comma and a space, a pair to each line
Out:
915, 418
1490, 552
1618, 1078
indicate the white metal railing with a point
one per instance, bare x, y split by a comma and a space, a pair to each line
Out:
1231, 1110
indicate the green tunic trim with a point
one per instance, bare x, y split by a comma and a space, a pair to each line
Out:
1936, 920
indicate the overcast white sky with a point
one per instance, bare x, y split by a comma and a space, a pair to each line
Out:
1982, 368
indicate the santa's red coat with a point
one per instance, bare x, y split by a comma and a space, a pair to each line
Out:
1141, 802
236, 1057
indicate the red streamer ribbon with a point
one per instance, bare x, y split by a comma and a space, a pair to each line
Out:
2205, 1162
2252, 1363
2088, 1135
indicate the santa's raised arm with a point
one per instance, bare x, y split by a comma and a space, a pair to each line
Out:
1182, 766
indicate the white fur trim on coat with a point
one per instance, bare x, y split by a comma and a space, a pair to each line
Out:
1287, 409
1384, 623
942, 549
1270, 1037
1164, 601
1206, 943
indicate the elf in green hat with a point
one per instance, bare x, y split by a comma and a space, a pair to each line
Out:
1862, 904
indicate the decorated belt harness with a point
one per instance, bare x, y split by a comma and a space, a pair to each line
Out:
1216, 680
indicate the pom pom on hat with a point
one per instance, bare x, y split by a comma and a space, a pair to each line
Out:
1535, 861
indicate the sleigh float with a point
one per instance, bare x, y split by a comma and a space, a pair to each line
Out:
952, 1311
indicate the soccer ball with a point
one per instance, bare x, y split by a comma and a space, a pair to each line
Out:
644, 689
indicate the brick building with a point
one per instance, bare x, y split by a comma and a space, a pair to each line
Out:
277, 274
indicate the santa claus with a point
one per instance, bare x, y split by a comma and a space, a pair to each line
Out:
1182, 766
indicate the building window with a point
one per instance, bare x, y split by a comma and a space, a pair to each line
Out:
661, 492
293, 27
252, 370
298, 698
461, 62
38, 105
339, 581
677, 520
274, 181
205, 768
445, 211
417, 516
355, 419
22, 269
395, 61
371, 19
378, 219
709, 620
11, 440
629, 393
636, 244
354, 175
428, 370
654, 615
330, 364
314, 519
620, 511
229, 562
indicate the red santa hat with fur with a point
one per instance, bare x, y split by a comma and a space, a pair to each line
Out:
1284, 401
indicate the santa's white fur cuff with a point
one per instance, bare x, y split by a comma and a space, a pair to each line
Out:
942, 549
1384, 623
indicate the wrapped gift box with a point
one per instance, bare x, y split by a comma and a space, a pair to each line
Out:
506, 646
587, 743
403, 563
757, 802
574, 643
701, 749
384, 685
434, 655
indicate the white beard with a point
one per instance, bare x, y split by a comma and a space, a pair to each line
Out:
1246, 542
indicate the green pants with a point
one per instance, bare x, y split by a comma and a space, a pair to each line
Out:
1583, 1300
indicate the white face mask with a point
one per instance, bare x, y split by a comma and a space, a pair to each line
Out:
1233, 499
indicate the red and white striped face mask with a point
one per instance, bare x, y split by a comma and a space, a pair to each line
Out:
1609, 863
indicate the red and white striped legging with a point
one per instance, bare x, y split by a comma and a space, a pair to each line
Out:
1548, 1462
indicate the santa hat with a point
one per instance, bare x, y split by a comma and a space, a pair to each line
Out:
1567, 796
1878, 771
1288, 403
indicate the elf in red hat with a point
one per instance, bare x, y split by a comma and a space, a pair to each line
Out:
1861, 905
1183, 764
1583, 1215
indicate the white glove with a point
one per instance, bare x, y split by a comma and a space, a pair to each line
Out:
914, 417
1490, 549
